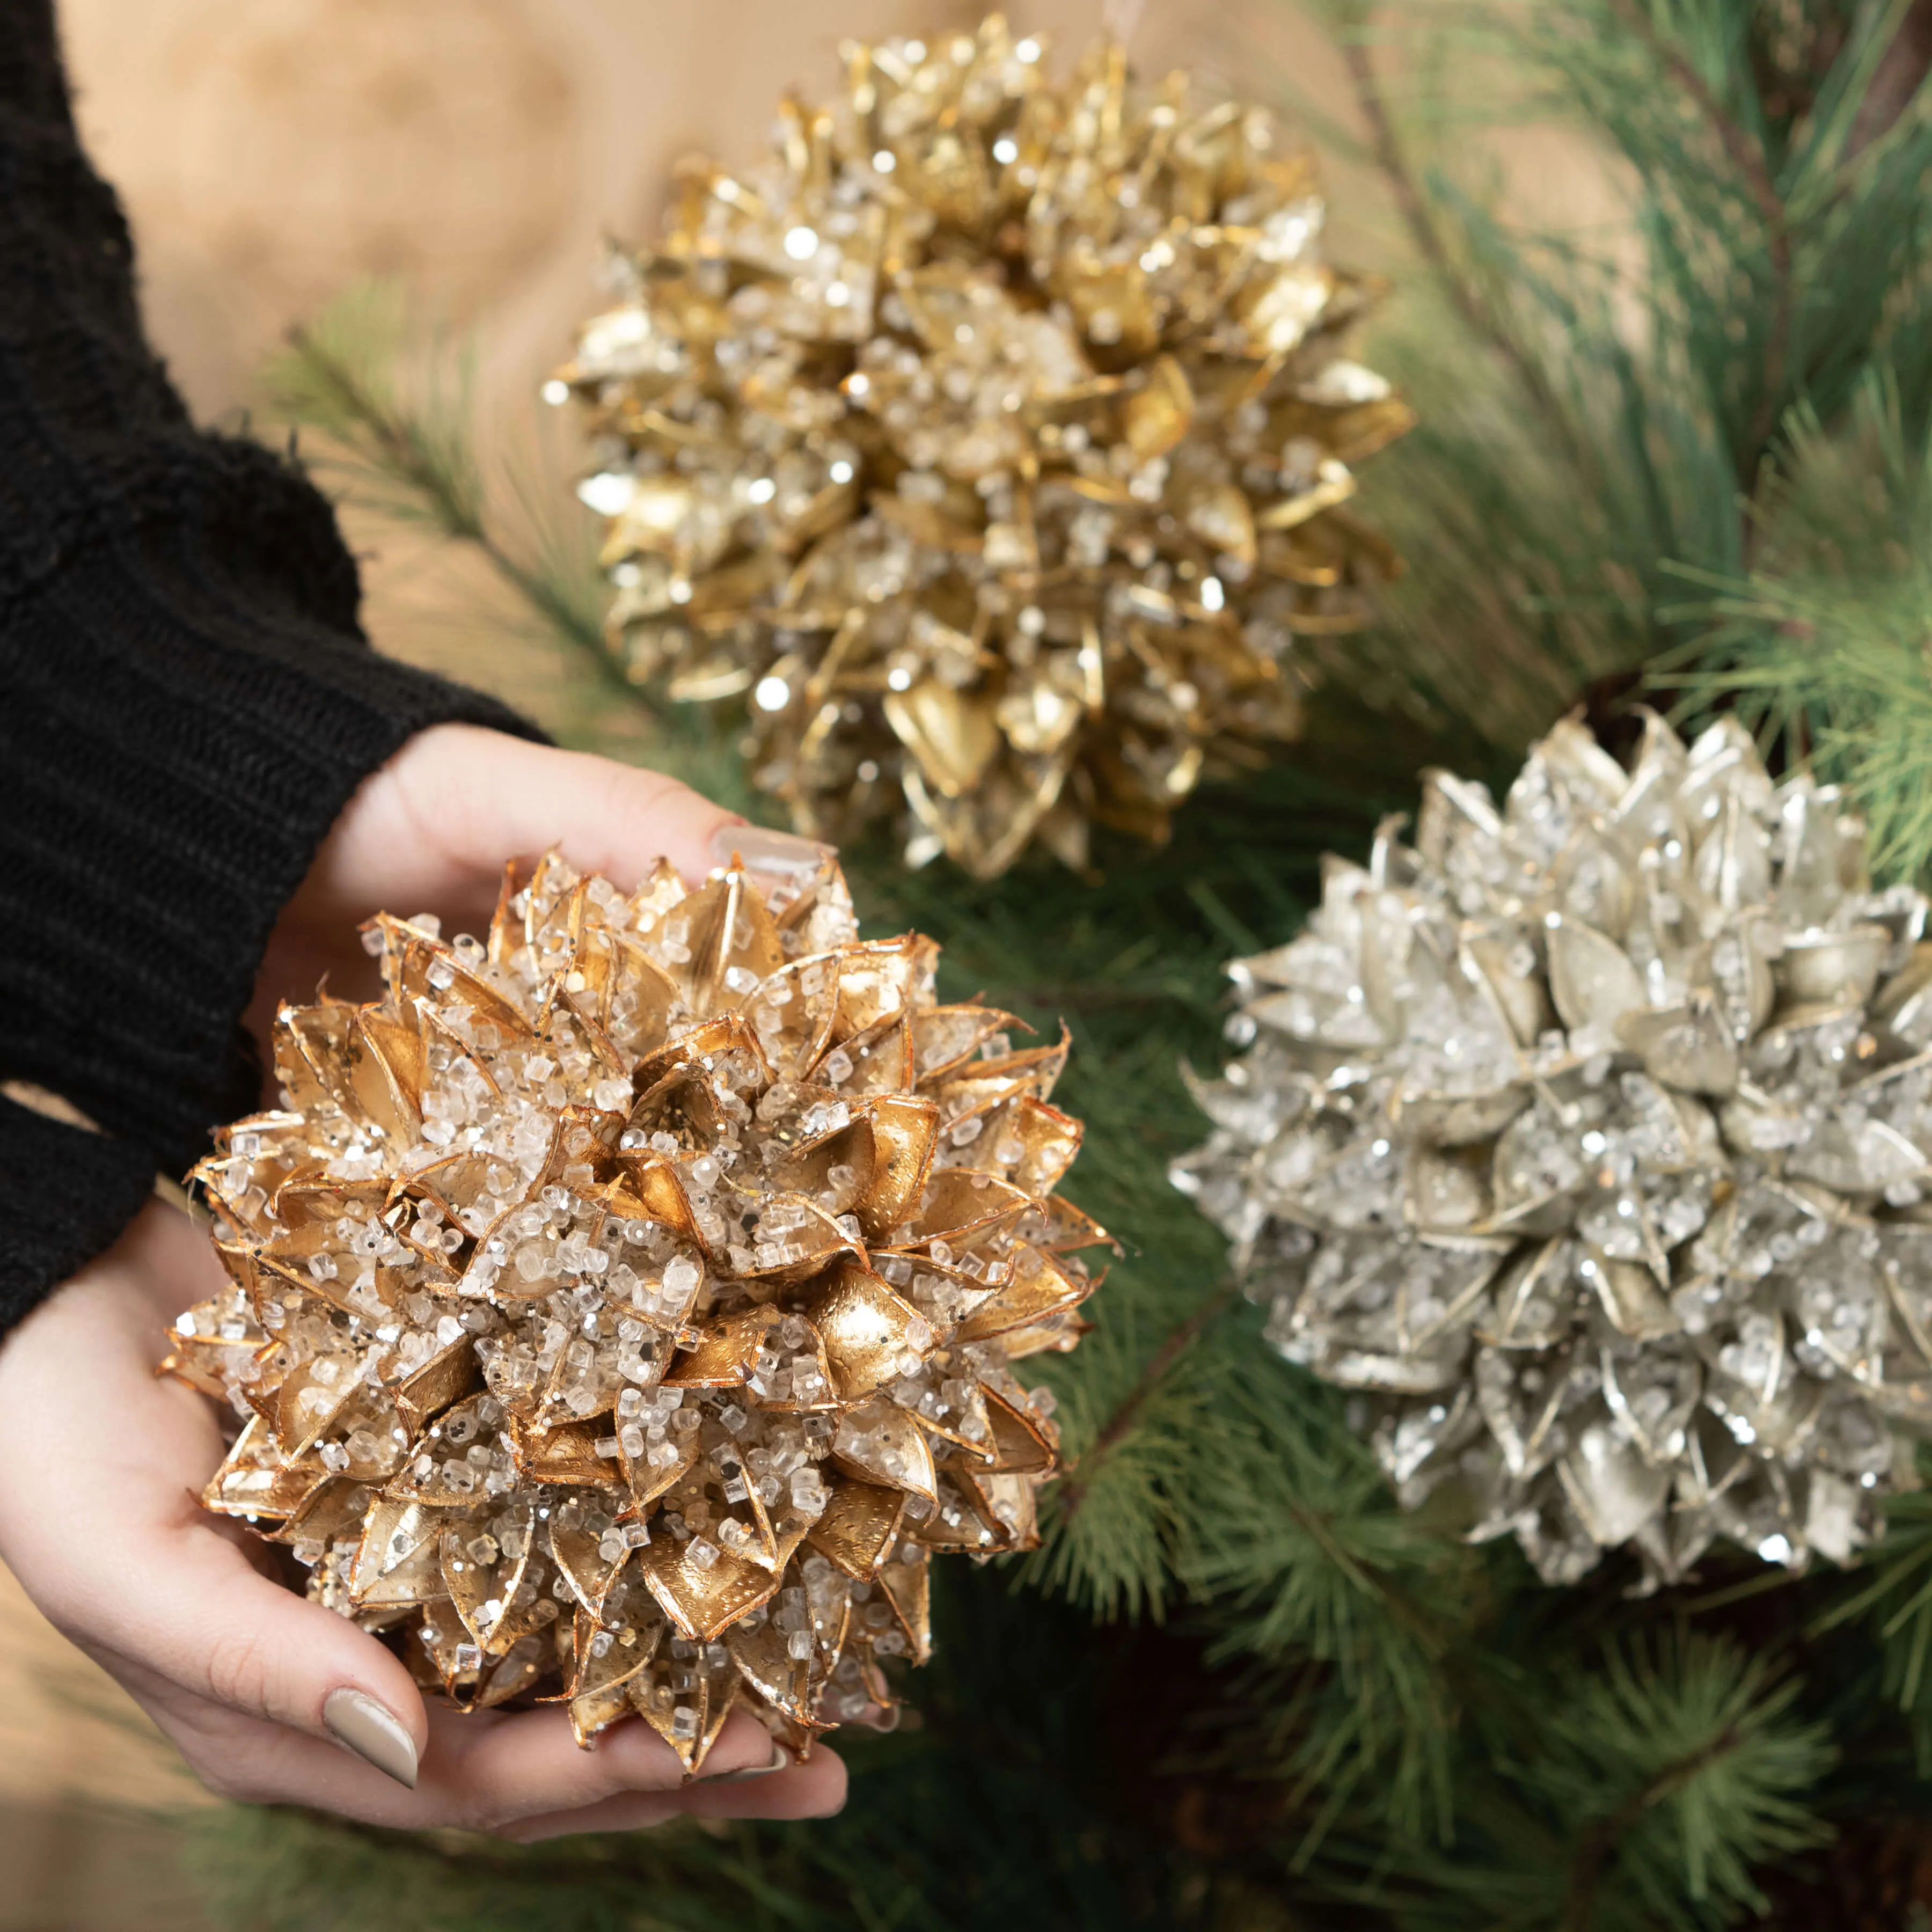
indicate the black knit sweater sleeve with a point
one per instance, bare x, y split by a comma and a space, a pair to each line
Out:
187, 702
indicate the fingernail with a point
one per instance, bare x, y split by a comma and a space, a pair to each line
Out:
781, 1757
374, 1732
759, 849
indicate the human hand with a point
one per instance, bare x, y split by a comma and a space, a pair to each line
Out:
254, 1685
432, 830
238, 1670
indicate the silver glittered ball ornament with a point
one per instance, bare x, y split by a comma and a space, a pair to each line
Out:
1587, 1138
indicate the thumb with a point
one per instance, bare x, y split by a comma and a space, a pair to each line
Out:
214, 1627
491, 798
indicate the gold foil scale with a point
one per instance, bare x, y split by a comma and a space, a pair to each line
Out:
624, 1306
991, 439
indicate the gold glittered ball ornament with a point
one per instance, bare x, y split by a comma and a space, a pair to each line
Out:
1590, 1140
990, 439
625, 1308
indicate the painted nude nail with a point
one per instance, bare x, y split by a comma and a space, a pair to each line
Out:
781, 1757
375, 1734
782, 855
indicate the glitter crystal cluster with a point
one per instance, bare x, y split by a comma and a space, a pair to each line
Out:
990, 436
1588, 1140
625, 1309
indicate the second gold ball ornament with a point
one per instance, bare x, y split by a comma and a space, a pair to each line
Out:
991, 437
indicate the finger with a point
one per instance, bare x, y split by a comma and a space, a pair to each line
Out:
495, 798
111, 1317
520, 1776
148, 1441
631, 1811
168, 1601
814, 1789
186, 1607
252, 1762
433, 829
528, 1762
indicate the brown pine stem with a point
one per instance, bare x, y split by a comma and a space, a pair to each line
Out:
1074, 1485
1600, 1840
1897, 78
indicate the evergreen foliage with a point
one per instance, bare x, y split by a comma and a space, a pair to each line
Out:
1237, 1688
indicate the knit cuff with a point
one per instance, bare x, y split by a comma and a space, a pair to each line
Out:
178, 737
65, 1195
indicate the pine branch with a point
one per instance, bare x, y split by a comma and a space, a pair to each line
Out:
1748, 157
1419, 218
1895, 81
1600, 1840
325, 386
1073, 1488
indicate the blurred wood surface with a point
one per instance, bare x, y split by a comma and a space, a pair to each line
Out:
68, 1729
89, 1792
